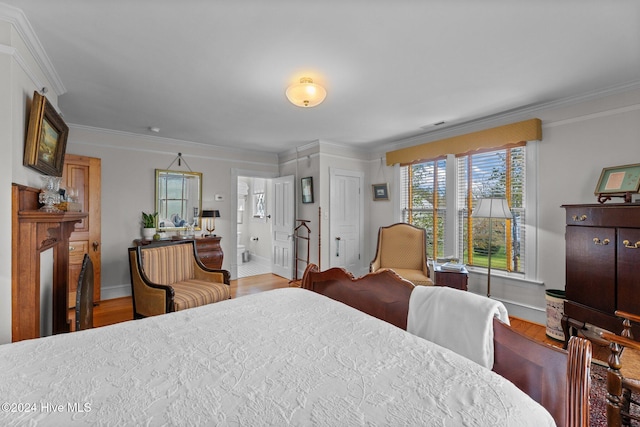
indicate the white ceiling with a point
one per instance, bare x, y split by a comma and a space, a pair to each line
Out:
215, 71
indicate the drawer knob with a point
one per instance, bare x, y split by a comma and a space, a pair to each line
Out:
579, 218
601, 242
627, 244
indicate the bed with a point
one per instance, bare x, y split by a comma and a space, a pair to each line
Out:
282, 357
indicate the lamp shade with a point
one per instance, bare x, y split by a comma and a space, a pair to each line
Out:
492, 208
306, 93
213, 213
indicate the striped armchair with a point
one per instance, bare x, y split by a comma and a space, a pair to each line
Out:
170, 277
403, 249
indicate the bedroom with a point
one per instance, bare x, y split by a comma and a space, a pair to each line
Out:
582, 133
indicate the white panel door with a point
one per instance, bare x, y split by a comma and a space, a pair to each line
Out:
345, 225
283, 214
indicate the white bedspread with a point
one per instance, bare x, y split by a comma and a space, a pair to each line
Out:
458, 320
282, 357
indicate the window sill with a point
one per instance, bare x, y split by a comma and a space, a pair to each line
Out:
515, 277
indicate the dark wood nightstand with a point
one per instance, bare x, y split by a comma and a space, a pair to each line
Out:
452, 279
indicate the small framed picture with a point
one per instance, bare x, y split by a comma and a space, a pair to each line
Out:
307, 189
380, 192
619, 179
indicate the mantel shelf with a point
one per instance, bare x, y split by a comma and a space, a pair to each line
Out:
42, 216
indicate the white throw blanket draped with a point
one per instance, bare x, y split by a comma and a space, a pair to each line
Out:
458, 320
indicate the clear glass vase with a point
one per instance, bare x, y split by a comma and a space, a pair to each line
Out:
50, 194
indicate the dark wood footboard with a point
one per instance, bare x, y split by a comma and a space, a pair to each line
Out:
557, 379
382, 294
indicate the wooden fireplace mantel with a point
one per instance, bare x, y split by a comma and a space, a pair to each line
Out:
34, 231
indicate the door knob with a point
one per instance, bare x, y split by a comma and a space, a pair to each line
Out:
96, 245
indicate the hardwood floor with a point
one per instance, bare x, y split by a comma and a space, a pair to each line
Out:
120, 309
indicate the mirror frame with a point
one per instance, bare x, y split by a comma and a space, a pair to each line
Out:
189, 218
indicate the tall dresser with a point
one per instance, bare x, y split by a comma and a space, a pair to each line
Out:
602, 265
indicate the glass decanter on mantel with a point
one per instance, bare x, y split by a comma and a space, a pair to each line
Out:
50, 194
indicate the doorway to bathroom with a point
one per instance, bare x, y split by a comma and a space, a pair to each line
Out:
254, 234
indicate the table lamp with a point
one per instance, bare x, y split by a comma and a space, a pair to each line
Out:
209, 219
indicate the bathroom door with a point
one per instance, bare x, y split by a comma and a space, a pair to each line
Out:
283, 215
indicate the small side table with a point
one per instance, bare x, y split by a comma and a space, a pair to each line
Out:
452, 279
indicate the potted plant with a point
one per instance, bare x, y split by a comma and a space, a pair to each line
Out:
149, 224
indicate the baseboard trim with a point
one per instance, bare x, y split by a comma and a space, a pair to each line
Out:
113, 292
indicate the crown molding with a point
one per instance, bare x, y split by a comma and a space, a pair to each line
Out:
507, 116
169, 142
17, 18
15, 53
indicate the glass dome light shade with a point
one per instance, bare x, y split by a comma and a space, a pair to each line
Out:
306, 93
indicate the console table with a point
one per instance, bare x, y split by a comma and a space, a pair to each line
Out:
602, 258
208, 249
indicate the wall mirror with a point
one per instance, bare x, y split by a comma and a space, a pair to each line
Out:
178, 199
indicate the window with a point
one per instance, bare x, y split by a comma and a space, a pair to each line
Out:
491, 173
424, 201
497, 173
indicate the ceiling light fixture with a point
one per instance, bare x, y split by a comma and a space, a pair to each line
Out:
306, 93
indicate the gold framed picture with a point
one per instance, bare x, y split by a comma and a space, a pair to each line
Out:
46, 140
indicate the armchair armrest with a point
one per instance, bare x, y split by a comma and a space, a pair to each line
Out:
149, 299
203, 272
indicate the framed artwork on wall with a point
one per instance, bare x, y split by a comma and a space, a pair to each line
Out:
46, 140
307, 189
380, 192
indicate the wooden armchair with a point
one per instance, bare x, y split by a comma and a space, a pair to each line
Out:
402, 248
623, 377
169, 277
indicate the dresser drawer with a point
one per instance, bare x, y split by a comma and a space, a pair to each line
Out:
210, 251
611, 215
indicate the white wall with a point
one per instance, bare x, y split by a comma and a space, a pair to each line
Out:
128, 174
9, 145
578, 141
314, 160
303, 163
20, 76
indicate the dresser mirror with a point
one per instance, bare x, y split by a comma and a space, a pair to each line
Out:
178, 199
